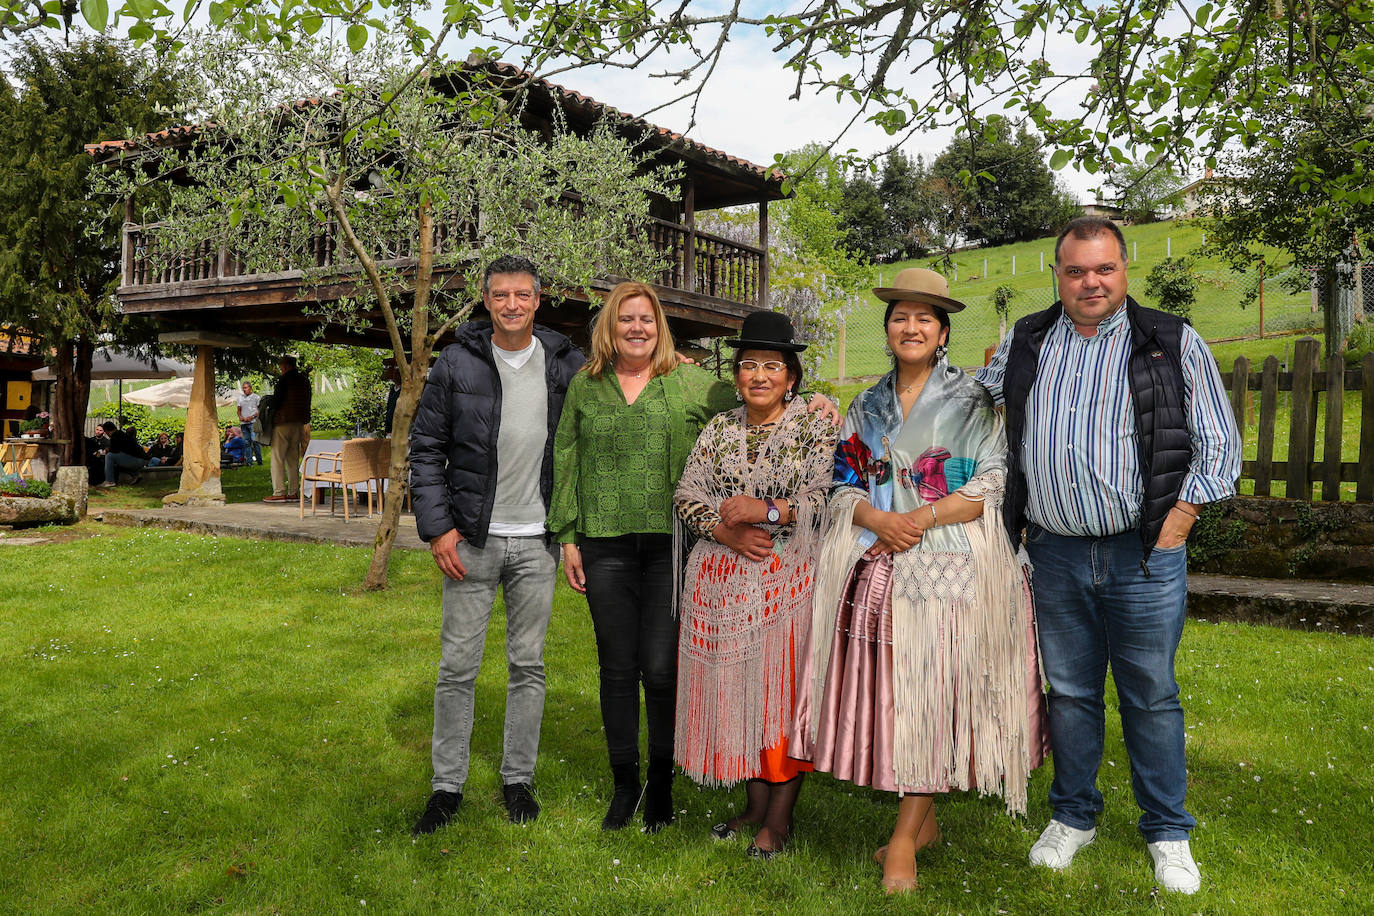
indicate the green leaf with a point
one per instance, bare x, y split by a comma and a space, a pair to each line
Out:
1081, 34
218, 14
357, 37
1060, 158
311, 23
235, 217
96, 13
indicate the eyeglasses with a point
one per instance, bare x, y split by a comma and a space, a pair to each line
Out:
772, 366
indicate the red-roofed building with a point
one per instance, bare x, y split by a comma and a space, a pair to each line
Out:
710, 283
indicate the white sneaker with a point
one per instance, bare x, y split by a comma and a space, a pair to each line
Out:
1058, 844
1175, 869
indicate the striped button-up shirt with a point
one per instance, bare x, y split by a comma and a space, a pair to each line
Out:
1081, 452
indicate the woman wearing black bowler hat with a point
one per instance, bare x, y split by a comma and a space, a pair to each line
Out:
754, 491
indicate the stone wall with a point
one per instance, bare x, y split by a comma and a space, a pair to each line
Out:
1285, 539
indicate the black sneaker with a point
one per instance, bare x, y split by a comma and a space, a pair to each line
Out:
438, 811
521, 807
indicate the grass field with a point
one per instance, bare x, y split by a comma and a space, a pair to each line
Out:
1218, 313
214, 725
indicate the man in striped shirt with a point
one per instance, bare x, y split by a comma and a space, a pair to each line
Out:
1118, 430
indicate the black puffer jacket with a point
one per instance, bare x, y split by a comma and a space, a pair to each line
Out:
1158, 393
453, 460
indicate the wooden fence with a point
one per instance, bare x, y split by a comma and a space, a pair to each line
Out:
1306, 382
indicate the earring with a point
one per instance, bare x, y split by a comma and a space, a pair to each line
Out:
887, 349
788, 396
739, 396
940, 351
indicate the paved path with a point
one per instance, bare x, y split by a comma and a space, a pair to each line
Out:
1337, 607
268, 521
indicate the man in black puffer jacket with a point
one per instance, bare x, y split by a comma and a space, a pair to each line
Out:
481, 457
1118, 430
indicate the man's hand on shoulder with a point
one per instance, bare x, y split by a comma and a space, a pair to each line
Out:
444, 549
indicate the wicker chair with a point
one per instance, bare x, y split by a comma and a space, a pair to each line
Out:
352, 465
382, 470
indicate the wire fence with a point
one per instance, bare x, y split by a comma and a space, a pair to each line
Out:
1230, 306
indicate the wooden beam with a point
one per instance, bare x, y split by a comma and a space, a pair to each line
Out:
763, 263
204, 339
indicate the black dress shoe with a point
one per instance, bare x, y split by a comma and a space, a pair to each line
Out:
658, 795
521, 808
439, 810
626, 797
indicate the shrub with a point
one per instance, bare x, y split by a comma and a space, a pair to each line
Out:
14, 485
1173, 285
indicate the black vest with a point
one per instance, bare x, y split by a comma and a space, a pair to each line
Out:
1157, 391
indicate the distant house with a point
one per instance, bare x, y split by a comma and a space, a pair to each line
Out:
19, 356
1194, 198
1105, 210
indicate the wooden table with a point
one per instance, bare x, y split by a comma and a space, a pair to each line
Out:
36, 459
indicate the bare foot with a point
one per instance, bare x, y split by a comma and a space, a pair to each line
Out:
899, 867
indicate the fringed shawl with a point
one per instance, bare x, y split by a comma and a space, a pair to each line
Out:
959, 649
742, 620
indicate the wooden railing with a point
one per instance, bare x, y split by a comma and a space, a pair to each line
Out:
696, 262
1308, 381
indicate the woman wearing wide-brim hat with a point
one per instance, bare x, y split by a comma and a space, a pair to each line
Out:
754, 491
922, 674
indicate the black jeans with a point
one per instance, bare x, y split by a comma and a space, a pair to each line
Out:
630, 594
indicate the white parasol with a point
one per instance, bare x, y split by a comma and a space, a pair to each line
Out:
176, 393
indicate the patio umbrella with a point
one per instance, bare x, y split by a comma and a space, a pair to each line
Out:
110, 363
176, 393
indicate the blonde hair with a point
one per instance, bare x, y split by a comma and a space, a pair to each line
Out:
664, 358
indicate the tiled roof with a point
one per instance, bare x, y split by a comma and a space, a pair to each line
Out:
173, 135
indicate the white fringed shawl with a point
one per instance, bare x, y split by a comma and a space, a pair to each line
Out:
959, 659
740, 619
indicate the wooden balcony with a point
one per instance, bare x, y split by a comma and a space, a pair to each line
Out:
708, 285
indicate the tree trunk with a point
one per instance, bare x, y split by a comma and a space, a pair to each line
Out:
1335, 318
73, 371
412, 383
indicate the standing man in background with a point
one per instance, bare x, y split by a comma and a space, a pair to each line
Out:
290, 405
248, 419
1118, 431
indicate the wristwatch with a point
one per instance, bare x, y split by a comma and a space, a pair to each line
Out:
774, 516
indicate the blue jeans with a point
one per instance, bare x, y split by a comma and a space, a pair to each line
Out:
525, 570
118, 461
254, 443
1094, 604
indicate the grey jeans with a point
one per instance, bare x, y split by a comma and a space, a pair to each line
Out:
525, 570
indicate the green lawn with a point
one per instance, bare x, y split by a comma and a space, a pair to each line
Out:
214, 725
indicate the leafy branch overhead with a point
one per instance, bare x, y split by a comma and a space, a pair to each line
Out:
1101, 82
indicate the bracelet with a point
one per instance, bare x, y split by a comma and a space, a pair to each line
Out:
1186, 512
934, 521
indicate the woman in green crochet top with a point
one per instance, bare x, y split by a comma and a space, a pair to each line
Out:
629, 422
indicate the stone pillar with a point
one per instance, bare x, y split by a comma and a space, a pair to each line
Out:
74, 484
200, 474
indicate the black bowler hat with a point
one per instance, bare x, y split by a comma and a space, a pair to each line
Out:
765, 330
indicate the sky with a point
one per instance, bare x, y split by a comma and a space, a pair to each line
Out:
746, 110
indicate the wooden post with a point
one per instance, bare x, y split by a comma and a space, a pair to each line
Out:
839, 351
1300, 429
1364, 486
126, 251
763, 262
1331, 447
689, 207
1264, 446
1240, 385
200, 473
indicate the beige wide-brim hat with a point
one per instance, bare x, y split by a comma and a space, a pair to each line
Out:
916, 284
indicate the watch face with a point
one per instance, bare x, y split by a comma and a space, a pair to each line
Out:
773, 513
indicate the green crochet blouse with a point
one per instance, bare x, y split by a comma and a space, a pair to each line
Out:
616, 465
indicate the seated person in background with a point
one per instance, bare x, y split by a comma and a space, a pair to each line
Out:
160, 451
178, 446
122, 454
236, 448
96, 446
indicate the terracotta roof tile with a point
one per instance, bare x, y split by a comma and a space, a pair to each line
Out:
172, 135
